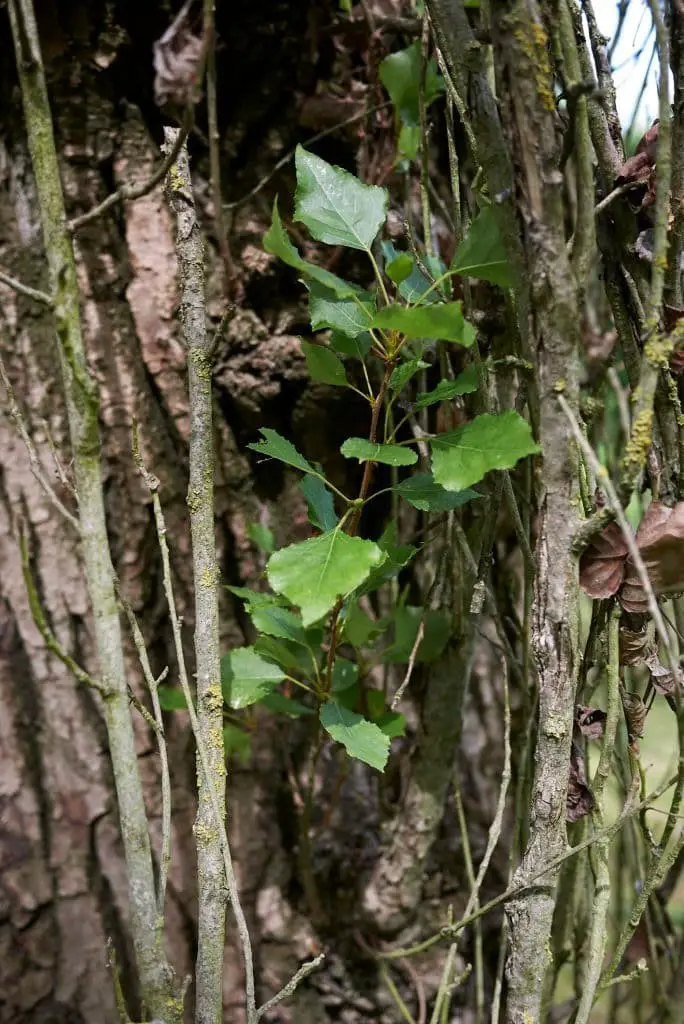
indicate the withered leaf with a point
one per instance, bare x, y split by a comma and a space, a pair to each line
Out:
638, 167
177, 55
635, 714
660, 539
635, 645
661, 677
580, 799
591, 722
602, 565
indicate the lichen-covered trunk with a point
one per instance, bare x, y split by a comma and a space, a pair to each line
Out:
552, 332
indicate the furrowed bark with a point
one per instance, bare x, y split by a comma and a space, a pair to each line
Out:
157, 983
212, 882
528, 115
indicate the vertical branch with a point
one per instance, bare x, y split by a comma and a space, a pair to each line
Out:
598, 933
157, 984
528, 115
210, 863
673, 280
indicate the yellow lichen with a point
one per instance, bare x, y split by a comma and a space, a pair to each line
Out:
639, 442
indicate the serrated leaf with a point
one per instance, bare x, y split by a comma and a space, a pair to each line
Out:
314, 573
465, 384
274, 620
323, 365
392, 723
388, 454
280, 448
401, 74
358, 347
171, 699
262, 537
246, 677
463, 456
360, 738
335, 206
237, 743
281, 705
481, 254
345, 674
443, 321
400, 267
322, 513
277, 242
423, 493
402, 374
350, 316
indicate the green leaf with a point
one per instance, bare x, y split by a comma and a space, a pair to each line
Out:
400, 267
350, 317
314, 573
277, 242
465, 384
246, 677
402, 374
392, 723
463, 456
400, 73
407, 619
278, 447
274, 620
423, 493
389, 454
408, 143
171, 699
444, 321
262, 537
345, 674
290, 657
358, 628
335, 206
237, 743
281, 705
322, 513
360, 738
397, 557
482, 254
416, 284
375, 703
323, 365
358, 347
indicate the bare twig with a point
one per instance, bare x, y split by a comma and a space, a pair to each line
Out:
287, 990
411, 662
26, 290
208, 775
158, 723
49, 638
34, 461
130, 192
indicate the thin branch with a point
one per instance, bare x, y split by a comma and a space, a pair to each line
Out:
26, 290
663, 163
287, 990
411, 662
208, 776
158, 724
49, 638
130, 192
34, 462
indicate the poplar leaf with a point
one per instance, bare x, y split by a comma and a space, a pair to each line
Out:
360, 738
389, 454
314, 573
462, 457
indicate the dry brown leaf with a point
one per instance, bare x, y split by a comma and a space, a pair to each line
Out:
602, 564
635, 715
177, 55
591, 722
580, 799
